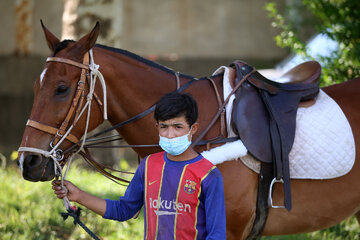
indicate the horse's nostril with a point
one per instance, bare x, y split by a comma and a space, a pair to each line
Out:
32, 160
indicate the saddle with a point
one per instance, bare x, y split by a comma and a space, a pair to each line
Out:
264, 117
260, 103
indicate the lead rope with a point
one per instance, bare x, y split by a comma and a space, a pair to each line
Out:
72, 210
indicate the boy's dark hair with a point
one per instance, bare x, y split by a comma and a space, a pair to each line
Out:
175, 104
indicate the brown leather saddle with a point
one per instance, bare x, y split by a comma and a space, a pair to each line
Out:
264, 117
259, 100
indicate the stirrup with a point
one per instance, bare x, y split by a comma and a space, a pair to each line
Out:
270, 202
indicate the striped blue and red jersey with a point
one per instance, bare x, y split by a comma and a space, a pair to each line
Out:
182, 200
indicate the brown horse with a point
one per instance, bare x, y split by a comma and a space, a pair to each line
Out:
133, 85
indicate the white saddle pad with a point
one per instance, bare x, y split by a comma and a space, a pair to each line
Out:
324, 145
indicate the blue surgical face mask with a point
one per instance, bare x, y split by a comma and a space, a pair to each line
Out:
175, 146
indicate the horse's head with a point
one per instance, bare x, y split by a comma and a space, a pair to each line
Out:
60, 94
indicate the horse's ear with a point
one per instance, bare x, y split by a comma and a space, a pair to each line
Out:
89, 40
51, 40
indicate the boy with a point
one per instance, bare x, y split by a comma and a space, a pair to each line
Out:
181, 191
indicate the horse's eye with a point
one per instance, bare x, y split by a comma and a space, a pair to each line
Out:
61, 90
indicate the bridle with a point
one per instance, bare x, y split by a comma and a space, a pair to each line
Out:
77, 109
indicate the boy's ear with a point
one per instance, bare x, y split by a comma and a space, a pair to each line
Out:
194, 128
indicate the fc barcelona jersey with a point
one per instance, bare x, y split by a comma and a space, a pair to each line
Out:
182, 200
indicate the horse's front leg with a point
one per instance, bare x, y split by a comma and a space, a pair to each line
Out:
240, 186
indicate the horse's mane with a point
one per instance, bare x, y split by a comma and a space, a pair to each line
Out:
63, 44
136, 57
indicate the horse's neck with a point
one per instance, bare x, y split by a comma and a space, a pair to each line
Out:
133, 87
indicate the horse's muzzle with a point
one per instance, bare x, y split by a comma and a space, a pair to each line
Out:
36, 167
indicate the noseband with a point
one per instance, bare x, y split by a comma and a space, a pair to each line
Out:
88, 68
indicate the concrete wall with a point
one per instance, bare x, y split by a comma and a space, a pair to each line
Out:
211, 28
21, 22
183, 28
23, 52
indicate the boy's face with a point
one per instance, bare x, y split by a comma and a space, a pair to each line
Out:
175, 127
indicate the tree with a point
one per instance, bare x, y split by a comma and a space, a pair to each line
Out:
337, 19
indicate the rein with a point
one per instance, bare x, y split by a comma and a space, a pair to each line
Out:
88, 67
95, 137
94, 140
140, 115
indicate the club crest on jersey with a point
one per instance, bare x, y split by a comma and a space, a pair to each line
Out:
189, 186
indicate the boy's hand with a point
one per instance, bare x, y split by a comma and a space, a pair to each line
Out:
73, 193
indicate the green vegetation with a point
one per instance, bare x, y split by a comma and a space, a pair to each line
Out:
337, 19
31, 211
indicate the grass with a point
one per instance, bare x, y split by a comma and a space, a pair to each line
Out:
31, 211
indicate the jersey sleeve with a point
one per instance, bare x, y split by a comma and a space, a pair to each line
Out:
214, 201
129, 204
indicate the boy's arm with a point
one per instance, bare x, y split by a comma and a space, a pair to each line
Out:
128, 205
214, 206
95, 204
